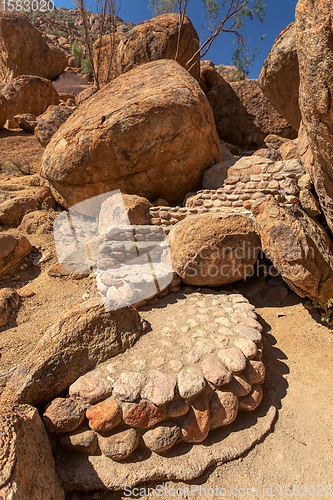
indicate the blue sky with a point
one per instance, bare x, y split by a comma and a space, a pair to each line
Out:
279, 13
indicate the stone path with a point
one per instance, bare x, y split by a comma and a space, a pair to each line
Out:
177, 384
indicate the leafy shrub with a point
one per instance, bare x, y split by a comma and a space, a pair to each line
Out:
77, 51
325, 309
86, 68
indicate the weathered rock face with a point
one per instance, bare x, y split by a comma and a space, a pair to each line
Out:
244, 116
209, 76
150, 132
29, 94
9, 299
23, 436
49, 122
26, 122
13, 247
83, 336
213, 250
114, 209
314, 49
3, 111
148, 41
279, 77
25, 51
298, 247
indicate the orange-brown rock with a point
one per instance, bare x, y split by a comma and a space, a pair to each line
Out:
137, 134
209, 76
298, 247
117, 207
223, 408
25, 51
279, 77
315, 50
252, 400
224, 249
148, 41
104, 416
196, 423
49, 122
143, 415
3, 111
13, 247
244, 116
29, 94
64, 414
26, 464
9, 300
83, 336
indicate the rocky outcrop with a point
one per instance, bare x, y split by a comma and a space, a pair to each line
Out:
225, 249
314, 49
49, 122
150, 132
23, 436
279, 77
29, 94
25, 51
84, 335
26, 122
13, 248
3, 111
244, 116
298, 247
209, 76
148, 41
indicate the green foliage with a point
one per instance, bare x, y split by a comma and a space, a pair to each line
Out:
57, 32
325, 309
34, 16
163, 6
77, 51
86, 68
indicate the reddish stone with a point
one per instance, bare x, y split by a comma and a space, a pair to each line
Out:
104, 416
252, 400
143, 414
223, 408
196, 422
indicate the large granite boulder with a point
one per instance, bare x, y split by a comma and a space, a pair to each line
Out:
214, 249
279, 77
150, 132
244, 116
315, 57
84, 335
29, 94
148, 41
209, 76
27, 469
25, 51
298, 247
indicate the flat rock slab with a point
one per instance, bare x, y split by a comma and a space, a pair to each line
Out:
184, 462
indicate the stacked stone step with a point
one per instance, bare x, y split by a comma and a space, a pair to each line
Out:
167, 217
133, 266
175, 384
